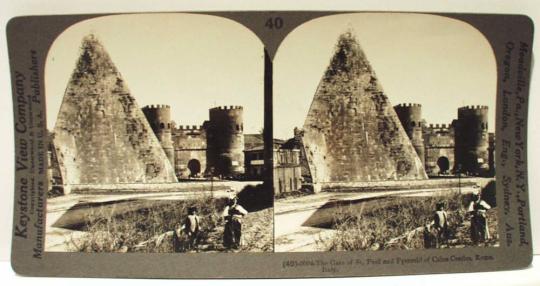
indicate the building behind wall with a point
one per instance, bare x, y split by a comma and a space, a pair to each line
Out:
215, 148
254, 160
254, 155
297, 143
287, 170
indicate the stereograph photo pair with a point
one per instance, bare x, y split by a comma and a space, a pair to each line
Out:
270, 144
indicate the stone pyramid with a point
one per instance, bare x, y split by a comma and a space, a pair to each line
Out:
352, 133
101, 134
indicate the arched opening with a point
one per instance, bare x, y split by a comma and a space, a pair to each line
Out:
444, 164
194, 167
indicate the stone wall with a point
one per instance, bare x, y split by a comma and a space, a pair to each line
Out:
190, 151
160, 187
352, 132
453, 183
439, 145
101, 134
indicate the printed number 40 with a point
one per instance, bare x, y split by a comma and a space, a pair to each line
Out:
274, 23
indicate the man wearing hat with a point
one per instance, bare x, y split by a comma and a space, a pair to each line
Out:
233, 214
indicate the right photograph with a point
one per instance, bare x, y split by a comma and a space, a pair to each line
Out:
384, 135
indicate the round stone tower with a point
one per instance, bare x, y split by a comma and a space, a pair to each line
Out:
472, 140
225, 141
410, 115
159, 118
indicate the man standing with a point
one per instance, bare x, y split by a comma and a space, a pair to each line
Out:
233, 214
191, 228
479, 224
440, 224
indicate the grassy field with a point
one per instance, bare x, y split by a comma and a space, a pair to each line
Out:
151, 229
398, 223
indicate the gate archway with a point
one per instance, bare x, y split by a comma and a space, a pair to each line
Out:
194, 167
444, 164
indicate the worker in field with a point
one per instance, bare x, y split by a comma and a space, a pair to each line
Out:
440, 224
479, 224
429, 236
191, 229
233, 215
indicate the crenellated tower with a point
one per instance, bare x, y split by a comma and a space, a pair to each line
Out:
410, 115
159, 118
225, 141
472, 140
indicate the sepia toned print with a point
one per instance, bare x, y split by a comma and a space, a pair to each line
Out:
128, 178
177, 145
373, 174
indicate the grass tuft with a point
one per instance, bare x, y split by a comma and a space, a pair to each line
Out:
397, 223
150, 229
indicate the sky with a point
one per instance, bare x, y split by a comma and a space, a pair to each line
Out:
438, 62
190, 62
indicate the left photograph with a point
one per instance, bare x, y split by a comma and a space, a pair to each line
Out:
156, 139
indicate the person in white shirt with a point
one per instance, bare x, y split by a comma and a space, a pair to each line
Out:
479, 223
440, 224
233, 215
191, 228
